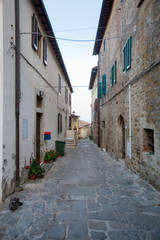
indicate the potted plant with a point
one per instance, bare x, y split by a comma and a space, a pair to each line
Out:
50, 155
54, 154
35, 169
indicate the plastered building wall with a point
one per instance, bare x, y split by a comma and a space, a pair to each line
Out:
34, 77
85, 131
44, 78
130, 109
1, 95
8, 95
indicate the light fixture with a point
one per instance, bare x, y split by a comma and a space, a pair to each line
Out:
41, 93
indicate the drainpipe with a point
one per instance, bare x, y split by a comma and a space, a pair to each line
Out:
17, 84
130, 130
98, 77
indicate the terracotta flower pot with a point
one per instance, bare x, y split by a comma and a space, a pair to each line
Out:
46, 161
32, 177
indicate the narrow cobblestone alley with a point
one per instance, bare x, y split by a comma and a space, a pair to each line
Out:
85, 195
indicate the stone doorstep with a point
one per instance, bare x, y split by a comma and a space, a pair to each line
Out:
47, 166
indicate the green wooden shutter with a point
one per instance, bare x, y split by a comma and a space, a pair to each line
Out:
44, 51
111, 77
129, 60
100, 90
115, 75
126, 57
104, 84
123, 59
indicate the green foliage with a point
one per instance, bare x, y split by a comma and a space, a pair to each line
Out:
50, 155
35, 168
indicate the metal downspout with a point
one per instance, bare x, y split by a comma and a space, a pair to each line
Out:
130, 122
98, 80
17, 85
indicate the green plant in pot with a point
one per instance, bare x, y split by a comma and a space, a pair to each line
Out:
47, 156
35, 169
50, 155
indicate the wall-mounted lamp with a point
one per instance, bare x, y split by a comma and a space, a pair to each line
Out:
41, 93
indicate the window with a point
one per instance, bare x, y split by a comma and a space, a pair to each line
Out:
74, 119
70, 100
100, 90
113, 74
66, 94
34, 33
45, 51
59, 123
140, 3
59, 83
148, 141
104, 45
104, 84
69, 122
96, 105
36, 36
39, 44
127, 55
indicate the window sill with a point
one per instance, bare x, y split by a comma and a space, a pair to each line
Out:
149, 153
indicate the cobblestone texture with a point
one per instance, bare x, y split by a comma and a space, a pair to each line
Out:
85, 195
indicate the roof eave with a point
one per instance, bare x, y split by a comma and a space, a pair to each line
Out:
104, 17
39, 5
92, 78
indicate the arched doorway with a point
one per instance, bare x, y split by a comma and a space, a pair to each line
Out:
121, 137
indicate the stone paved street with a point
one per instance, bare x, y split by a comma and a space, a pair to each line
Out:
85, 195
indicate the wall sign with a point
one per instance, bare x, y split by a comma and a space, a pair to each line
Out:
25, 128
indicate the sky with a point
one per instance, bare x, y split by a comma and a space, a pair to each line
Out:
76, 20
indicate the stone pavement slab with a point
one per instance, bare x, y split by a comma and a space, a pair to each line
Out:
85, 195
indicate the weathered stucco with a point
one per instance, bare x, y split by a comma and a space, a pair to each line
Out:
8, 80
1, 95
35, 76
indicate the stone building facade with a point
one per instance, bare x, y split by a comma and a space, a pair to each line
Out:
129, 84
35, 89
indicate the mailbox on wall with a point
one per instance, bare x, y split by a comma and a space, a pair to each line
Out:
47, 135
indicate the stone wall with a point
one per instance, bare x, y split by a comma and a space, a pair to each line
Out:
130, 110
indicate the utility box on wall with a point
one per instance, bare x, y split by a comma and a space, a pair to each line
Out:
47, 135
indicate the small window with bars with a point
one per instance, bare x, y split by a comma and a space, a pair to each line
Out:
148, 141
